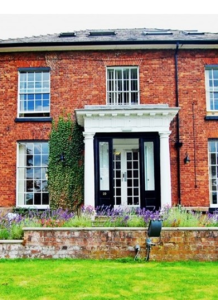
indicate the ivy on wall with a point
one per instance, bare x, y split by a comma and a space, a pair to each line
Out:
66, 164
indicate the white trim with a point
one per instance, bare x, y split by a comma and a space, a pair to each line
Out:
165, 174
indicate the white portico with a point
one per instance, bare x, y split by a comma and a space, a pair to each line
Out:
132, 120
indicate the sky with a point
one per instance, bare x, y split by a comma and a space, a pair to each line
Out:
26, 18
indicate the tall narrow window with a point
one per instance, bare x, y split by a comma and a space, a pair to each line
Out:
212, 88
213, 172
104, 165
32, 189
34, 92
149, 166
122, 86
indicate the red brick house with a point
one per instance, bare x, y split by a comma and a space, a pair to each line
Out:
148, 103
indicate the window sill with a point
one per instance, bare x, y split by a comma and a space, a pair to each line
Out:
208, 118
38, 119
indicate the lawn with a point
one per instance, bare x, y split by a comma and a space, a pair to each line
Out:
102, 279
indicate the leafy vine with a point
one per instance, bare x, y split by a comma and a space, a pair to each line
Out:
66, 164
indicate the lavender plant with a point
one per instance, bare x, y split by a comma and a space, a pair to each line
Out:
11, 224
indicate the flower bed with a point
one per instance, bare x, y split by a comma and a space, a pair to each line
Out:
12, 224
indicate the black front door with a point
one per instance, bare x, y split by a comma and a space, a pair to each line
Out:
127, 170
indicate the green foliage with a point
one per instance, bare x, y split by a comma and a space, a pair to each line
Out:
12, 232
120, 221
180, 217
16, 231
78, 222
65, 178
135, 221
4, 234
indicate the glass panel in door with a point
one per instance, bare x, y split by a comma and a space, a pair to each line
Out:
126, 177
104, 165
149, 166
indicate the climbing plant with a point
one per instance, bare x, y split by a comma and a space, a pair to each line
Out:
66, 167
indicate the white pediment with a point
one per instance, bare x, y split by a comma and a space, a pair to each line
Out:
126, 118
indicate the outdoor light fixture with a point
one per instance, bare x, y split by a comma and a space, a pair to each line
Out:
62, 158
154, 230
186, 159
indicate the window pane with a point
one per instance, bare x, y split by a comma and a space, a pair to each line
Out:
134, 74
134, 85
126, 74
46, 76
23, 76
30, 76
104, 165
28, 199
213, 159
45, 199
215, 74
149, 166
38, 76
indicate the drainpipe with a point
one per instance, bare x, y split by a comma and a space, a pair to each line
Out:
178, 144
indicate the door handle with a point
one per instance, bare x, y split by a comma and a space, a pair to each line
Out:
124, 176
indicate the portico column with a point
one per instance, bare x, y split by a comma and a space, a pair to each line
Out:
89, 187
165, 174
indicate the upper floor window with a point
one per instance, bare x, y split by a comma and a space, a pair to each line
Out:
34, 92
212, 87
122, 85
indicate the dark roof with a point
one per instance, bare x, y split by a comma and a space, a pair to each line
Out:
115, 36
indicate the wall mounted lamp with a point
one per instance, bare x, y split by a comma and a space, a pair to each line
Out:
186, 159
62, 158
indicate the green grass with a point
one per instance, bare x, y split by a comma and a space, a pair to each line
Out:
97, 280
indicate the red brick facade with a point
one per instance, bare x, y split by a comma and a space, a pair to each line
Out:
78, 78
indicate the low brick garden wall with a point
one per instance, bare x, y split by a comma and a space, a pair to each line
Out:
109, 243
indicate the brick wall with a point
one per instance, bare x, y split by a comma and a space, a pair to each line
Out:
78, 78
177, 244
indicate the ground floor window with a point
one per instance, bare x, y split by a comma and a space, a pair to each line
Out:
32, 164
213, 171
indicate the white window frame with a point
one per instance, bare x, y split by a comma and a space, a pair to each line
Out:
38, 169
118, 93
39, 90
211, 87
213, 171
